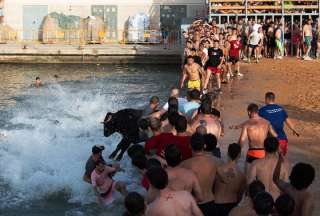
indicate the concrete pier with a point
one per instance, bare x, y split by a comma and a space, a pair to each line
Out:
89, 54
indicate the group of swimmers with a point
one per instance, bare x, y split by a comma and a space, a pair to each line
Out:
184, 172
213, 49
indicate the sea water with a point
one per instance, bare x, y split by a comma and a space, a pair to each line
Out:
47, 133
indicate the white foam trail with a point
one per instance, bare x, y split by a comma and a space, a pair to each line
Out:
50, 156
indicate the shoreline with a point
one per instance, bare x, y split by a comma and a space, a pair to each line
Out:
89, 54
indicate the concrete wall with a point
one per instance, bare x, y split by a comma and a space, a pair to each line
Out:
13, 9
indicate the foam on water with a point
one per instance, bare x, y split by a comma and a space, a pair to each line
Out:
47, 155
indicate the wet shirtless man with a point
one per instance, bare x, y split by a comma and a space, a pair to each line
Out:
301, 177
256, 129
204, 166
262, 169
169, 203
181, 178
191, 72
230, 183
206, 119
307, 38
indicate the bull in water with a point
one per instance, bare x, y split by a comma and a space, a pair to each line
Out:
124, 122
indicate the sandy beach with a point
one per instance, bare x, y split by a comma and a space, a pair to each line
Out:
296, 85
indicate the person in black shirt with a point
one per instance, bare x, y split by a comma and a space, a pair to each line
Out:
214, 63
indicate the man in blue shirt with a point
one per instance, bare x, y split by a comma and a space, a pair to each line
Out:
277, 116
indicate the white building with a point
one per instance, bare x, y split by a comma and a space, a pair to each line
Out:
27, 15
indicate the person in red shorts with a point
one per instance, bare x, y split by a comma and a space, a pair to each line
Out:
234, 57
214, 63
278, 117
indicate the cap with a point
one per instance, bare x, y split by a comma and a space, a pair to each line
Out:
97, 149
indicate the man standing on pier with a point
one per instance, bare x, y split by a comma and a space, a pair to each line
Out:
307, 38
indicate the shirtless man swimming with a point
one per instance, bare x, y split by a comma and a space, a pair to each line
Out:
169, 203
262, 169
181, 178
204, 166
230, 183
301, 177
191, 72
256, 130
307, 38
206, 119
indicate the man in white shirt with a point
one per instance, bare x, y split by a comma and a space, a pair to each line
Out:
254, 39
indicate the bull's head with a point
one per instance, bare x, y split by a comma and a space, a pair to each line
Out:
109, 125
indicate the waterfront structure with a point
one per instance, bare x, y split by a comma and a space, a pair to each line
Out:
26, 16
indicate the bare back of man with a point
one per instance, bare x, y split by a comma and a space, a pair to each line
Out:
212, 125
174, 203
263, 169
256, 130
184, 179
230, 185
203, 165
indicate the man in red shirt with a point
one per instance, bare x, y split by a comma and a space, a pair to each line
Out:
234, 54
158, 143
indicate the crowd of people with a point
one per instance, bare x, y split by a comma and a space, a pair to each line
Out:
184, 172
182, 168
219, 49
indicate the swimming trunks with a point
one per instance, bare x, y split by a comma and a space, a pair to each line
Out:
208, 209
224, 209
255, 154
215, 70
253, 46
307, 40
283, 146
194, 84
108, 195
279, 46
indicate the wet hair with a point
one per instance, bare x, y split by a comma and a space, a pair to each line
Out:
139, 161
215, 112
157, 177
173, 107
135, 149
302, 176
194, 94
173, 118
270, 96
155, 124
173, 102
210, 141
285, 205
234, 150
181, 124
134, 204
263, 203
143, 124
197, 142
253, 108
173, 155
255, 188
271, 144
205, 108
153, 162
154, 100
37, 78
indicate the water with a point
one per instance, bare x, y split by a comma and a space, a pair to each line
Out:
50, 131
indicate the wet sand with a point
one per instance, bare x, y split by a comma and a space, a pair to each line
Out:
296, 85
